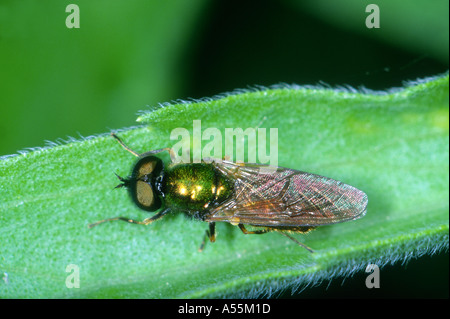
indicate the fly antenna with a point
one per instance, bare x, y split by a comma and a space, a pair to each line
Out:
125, 182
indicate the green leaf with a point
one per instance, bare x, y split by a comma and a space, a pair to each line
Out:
393, 146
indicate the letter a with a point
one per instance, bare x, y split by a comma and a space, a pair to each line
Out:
73, 19
373, 19
373, 280
73, 279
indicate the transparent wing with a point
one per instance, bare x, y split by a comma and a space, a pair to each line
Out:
286, 198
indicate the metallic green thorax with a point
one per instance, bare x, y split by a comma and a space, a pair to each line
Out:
195, 187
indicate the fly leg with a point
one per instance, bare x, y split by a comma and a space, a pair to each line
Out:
211, 234
296, 241
144, 222
257, 232
168, 149
282, 232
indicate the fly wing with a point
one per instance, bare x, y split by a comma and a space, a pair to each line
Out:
286, 197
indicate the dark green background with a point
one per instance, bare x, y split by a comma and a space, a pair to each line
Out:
57, 82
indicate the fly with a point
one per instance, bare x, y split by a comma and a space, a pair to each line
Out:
285, 200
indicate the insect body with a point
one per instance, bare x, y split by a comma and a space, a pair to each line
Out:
285, 200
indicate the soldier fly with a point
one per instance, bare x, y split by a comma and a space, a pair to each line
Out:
285, 201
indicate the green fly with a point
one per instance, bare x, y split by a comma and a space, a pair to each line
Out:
285, 200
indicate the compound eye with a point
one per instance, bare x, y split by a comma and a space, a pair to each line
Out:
146, 166
142, 190
144, 194
145, 197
